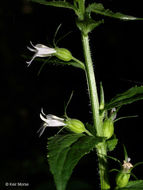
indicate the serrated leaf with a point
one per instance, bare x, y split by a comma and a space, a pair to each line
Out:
132, 95
111, 144
88, 25
99, 9
62, 4
133, 185
64, 152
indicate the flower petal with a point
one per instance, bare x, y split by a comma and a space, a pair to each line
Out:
52, 120
53, 117
34, 50
41, 130
29, 62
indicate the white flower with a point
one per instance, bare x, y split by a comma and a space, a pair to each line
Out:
40, 51
50, 121
127, 165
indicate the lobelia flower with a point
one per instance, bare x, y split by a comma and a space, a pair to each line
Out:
73, 125
50, 121
40, 51
127, 165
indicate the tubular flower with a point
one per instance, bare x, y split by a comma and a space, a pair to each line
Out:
74, 125
50, 121
40, 51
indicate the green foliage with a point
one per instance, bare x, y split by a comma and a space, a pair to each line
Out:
56, 61
133, 185
127, 97
99, 9
125, 153
102, 100
62, 4
88, 25
111, 144
64, 152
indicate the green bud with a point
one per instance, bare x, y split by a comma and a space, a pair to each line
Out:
63, 54
108, 128
123, 176
122, 179
75, 126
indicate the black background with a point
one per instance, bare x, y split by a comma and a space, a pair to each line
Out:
117, 53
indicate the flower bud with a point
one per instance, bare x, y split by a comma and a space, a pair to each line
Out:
123, 176
63, 54
108, 128
122, 179
75, 126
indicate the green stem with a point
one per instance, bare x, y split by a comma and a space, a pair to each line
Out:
91, 85
103, 168
101, 148
80, 63
81, 8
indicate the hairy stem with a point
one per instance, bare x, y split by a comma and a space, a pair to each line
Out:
103, 169
101, 148
91, 85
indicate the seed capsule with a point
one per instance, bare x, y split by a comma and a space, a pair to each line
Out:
108, 128
122, 179
75, 126
123, 176
63, 54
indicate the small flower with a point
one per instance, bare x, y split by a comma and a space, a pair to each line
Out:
40, 51
50, 121
127, 165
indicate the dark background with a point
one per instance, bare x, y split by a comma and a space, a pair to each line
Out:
117, 52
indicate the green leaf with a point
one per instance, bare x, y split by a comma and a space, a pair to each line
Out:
133, 185
125, 153
88, 25
102, 101
62, 4
132, 95
99, 9
64, 152
111, 144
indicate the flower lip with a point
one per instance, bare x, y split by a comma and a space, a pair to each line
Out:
40, 51
52, 120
